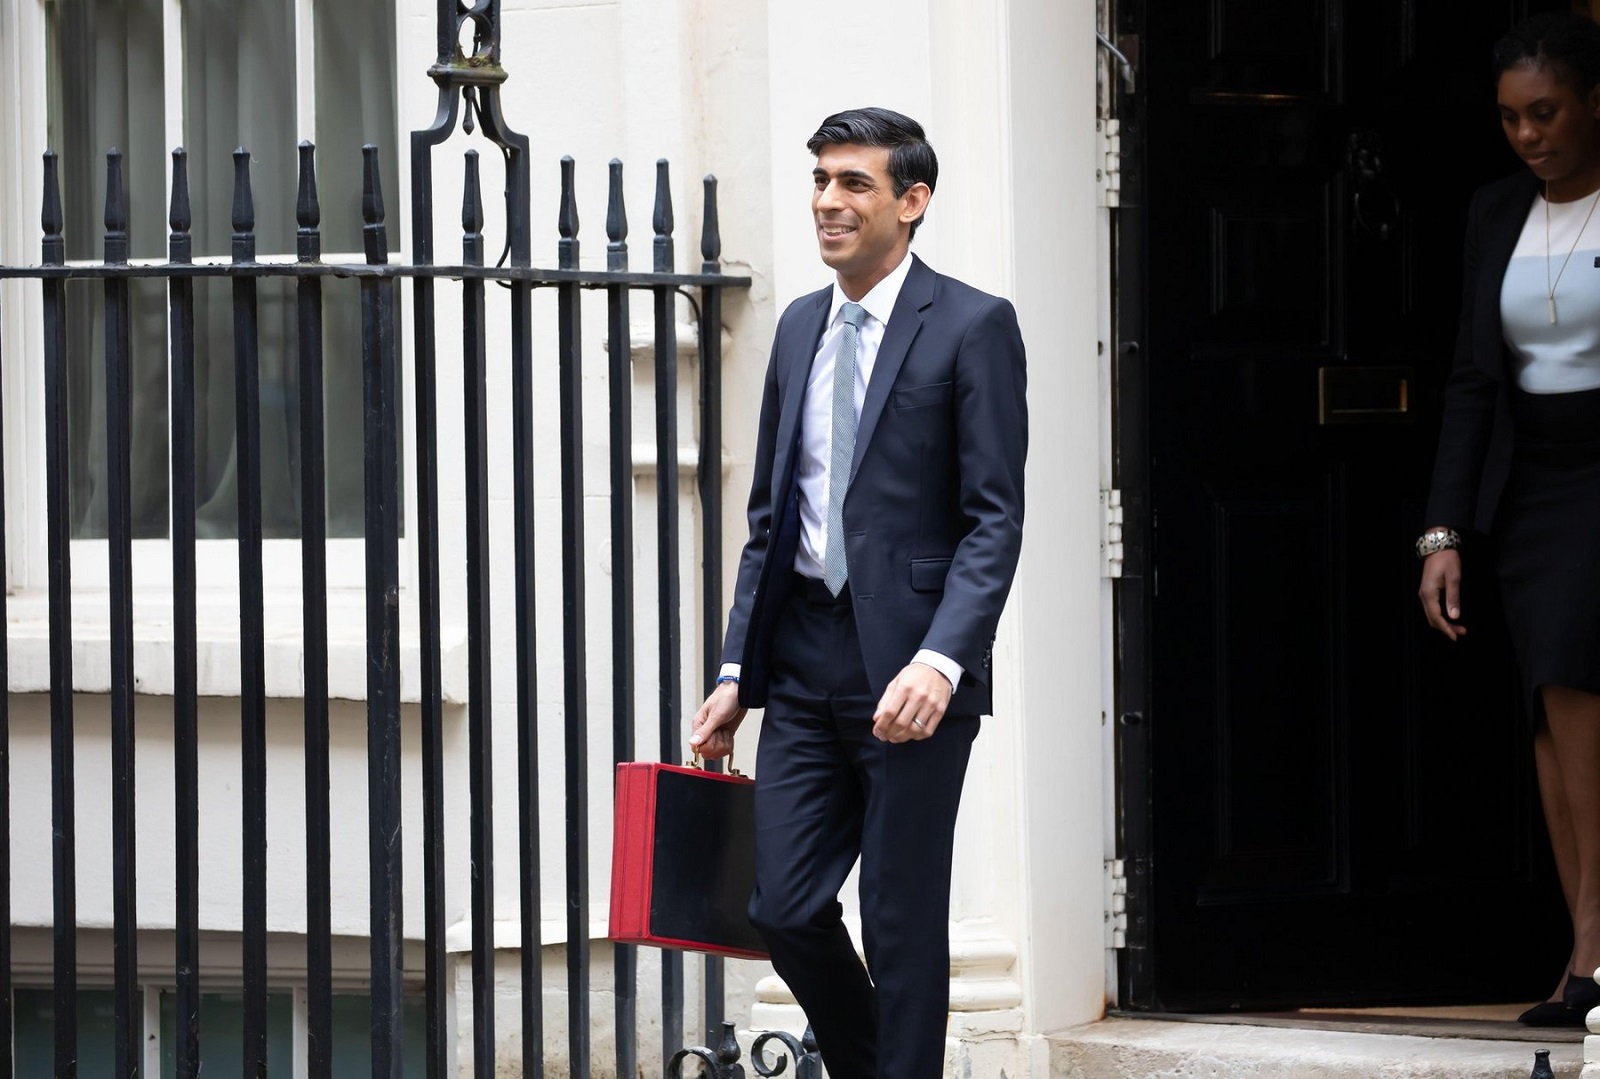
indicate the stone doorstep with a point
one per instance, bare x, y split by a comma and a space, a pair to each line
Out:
1152, 1049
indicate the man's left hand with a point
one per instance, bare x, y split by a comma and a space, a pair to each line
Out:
913, 704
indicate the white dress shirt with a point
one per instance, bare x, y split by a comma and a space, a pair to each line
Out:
816, 433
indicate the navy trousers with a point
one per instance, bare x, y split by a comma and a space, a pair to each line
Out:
826, 791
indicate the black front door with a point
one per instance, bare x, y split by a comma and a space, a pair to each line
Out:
1323, 801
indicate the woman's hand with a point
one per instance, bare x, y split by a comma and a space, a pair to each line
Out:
1441, 580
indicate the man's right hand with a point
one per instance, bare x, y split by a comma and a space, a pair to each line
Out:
716, 721
1441, 581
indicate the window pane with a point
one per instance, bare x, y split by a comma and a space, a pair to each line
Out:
352, 1037
343, 417
238, 90
34, 1016
216, 479
222, 1034
216, 412
86, 403
238, 81
356, 94
106, 91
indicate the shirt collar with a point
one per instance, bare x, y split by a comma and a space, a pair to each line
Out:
881, 300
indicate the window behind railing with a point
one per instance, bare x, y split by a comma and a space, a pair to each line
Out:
193, 395
211, 75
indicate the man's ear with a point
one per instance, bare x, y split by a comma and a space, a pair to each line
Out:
914, 202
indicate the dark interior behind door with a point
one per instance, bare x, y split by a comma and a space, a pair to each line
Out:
1323, 802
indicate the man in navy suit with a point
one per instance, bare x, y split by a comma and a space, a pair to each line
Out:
885, 522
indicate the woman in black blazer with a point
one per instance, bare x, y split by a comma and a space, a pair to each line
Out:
1519, 446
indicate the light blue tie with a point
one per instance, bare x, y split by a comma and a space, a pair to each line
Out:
834, 570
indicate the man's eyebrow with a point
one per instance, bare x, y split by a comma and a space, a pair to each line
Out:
853, 174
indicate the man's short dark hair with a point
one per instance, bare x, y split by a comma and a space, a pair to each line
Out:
911, 158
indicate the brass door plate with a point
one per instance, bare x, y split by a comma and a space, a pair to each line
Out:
1363, 395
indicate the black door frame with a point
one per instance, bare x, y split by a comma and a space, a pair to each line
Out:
1132, 591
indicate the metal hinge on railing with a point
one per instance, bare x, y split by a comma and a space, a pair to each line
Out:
1108, 161
1116, 903
1111, 533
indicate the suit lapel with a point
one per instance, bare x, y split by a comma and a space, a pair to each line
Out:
904, 322
794, 367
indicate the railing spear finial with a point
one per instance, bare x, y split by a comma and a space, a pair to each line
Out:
710, 230
180, 245
307, 207
244, 209
51, 218
567, 221
374, 233
472, 213
116, 210
663, 219
616, 221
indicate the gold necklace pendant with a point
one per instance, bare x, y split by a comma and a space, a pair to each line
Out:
1549, 284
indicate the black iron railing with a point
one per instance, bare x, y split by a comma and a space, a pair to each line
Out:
469, 97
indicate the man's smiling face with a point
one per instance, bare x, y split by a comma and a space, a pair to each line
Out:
863, 229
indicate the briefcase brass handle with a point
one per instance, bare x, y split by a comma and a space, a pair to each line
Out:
699, 764
1362, 395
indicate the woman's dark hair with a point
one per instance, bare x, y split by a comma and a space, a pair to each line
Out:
1564, 43
911, 158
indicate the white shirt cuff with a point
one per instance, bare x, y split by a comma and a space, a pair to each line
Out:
729, 670
941, 663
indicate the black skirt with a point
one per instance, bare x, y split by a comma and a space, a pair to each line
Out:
1547, 535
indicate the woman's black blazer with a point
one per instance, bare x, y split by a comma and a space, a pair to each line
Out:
1474, 459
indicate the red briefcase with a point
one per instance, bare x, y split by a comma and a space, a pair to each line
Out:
683, 860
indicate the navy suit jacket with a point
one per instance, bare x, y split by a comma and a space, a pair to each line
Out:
1474, 458
933, 513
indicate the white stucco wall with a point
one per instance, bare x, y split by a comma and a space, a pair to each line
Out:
1059, 673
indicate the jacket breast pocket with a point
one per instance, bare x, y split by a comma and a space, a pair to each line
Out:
928, 574
934, 393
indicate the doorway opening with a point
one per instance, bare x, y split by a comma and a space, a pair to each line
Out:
1321, 802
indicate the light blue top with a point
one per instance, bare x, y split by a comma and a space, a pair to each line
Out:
1563, 357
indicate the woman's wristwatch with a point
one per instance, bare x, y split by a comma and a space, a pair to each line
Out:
1435, 540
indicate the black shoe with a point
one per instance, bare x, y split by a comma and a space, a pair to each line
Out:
1552, 1013
1581, 995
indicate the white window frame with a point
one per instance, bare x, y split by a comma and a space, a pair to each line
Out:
23, 138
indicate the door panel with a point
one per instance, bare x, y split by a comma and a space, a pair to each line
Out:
1341, 803
1277, 801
